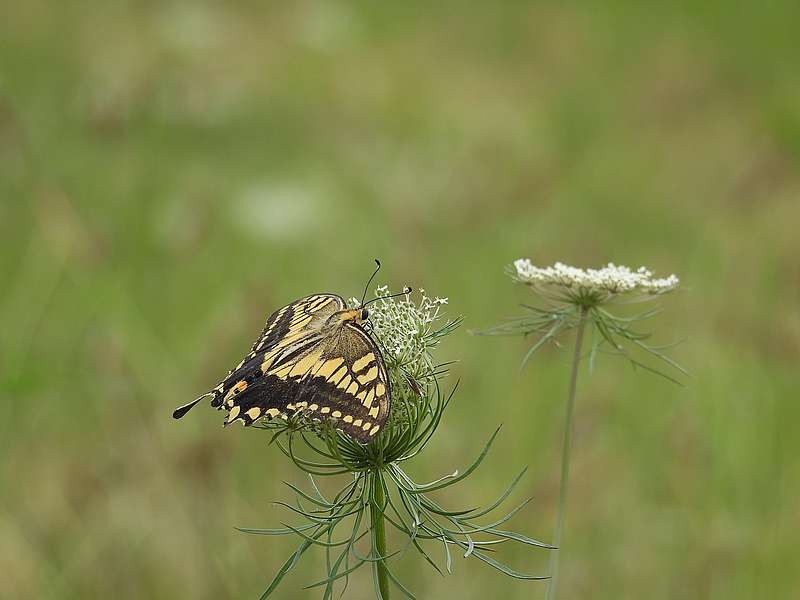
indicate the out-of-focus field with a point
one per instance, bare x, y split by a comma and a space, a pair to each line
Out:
171, 172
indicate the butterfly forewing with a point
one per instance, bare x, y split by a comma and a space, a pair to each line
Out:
302, 316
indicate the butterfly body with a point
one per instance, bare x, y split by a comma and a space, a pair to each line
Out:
312, 356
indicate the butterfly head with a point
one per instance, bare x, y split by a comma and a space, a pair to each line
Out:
354, 315
360, 315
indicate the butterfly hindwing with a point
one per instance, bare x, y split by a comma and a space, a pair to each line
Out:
348, 385
341, 379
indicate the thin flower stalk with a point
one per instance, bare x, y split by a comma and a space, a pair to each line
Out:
566, 452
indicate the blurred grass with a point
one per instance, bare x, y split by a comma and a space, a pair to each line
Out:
172, 172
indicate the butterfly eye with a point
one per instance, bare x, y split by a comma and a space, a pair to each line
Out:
365, 314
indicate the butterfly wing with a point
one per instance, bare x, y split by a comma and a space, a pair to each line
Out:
340, 378
287, 333
297, 319
293, 366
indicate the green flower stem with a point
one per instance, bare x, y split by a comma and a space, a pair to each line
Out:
377, 504
552, 588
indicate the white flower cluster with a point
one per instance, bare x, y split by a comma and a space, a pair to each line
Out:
404, 328
612, 279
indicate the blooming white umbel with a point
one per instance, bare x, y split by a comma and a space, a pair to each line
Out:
601, 283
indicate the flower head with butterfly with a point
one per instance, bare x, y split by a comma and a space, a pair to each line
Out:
391, 365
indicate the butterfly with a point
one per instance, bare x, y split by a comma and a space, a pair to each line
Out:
315, 356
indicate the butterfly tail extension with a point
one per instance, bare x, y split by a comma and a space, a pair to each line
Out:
182, 410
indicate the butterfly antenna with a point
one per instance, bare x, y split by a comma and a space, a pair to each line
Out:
366, 287
406, 290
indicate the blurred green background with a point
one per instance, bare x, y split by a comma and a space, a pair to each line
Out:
171, 172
